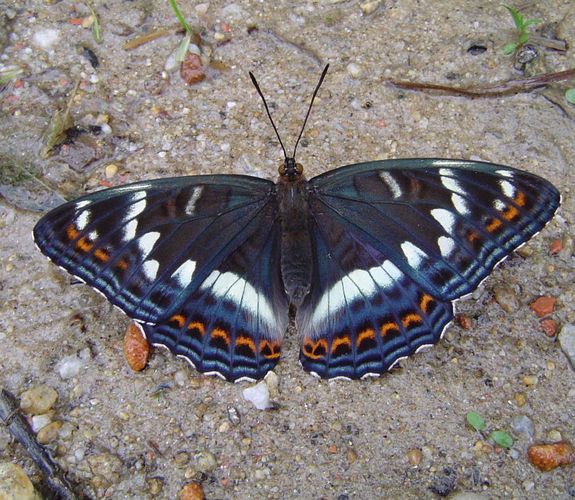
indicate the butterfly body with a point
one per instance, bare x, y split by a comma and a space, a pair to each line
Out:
372, 256
296, 250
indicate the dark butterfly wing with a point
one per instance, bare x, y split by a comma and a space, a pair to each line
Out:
404, 238
181, 251
233, 323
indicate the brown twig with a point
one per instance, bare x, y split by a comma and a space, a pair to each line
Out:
514, 86
19, 428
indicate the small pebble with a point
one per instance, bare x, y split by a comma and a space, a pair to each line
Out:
369, 7
49, 432
191, 69
354, 70
224, 427
567, 342
468, 495
554, 436
15, 484
555, 247
273, 382
136, 348
530, 380
37, 400
524, 425
205, 461
181, 377
155, 485
549, 327
520, 399
528, 485
39, 421
506, 297
464, 321
543, 306
549, 456
233, 415
414, 457
181, 458
351, 455
106, 469
69, 367
45, 38
192, 491
258, 395
111, 170
202, 8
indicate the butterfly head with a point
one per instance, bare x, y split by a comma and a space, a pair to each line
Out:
290, 170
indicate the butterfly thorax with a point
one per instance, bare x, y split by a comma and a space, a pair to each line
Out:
296, 251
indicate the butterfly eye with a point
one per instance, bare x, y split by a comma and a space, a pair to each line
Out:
282, 168
299, 168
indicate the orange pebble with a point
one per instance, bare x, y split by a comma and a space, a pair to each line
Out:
555, 247
549, 327
543, 306
136, 348
549, 456
192, 70
192, 491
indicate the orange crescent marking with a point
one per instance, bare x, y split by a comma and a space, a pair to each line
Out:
366, 334
222, 334
340, 341
72, 233
493, 225
410, 318
520, 199
273, 347
179, 319
122, 264
84, 244
102, 255
310, 347
386, 327
196, 325
425, 301
472, 236
510, 213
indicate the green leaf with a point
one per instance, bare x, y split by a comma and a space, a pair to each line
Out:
183, 48
502, 439
522, 38
475, 420
531, 22
180, 16
509, 48
570, 96
96, 29
517, 17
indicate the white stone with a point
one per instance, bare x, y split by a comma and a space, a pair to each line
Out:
258, 395
69, 367
45, 38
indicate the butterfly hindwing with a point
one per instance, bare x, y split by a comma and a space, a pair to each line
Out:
232, 324
362, 313
413, 235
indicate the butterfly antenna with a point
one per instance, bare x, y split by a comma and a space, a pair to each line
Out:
324, 72
254, 81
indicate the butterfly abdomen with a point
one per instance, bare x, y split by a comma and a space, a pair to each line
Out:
296, 251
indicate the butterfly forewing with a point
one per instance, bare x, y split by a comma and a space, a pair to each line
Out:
147, 244
413, 235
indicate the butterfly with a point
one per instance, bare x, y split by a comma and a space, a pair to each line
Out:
371, 256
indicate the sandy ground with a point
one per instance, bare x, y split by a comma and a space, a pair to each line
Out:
140, 435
